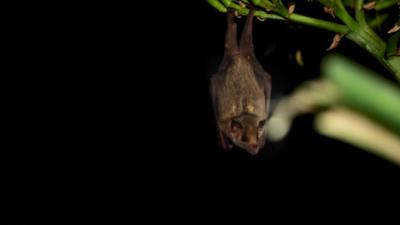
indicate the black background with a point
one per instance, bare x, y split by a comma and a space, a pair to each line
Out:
303, 165
304, 154
184, 157
276, 43
123, 115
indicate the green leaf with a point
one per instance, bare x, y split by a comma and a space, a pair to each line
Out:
384, 4
217, 5
365, 91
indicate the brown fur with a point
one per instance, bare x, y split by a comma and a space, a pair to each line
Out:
240, 91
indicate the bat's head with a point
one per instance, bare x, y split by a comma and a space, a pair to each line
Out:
247, 131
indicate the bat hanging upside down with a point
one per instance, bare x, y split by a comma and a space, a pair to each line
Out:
240, 92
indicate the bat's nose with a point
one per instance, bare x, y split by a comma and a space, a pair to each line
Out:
253, 149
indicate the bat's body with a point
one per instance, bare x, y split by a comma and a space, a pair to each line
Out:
240, 91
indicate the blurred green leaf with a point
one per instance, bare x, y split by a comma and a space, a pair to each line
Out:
365, 91
356, 129
384, 4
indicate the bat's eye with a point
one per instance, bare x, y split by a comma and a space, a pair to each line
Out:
235, 126
261, 124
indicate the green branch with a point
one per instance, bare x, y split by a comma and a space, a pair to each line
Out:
356, 29
323, 24
377, 21
359, 11
384, 4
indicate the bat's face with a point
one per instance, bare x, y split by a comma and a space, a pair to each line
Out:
247, 132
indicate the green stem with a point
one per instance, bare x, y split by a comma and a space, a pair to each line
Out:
393, 44
357, 31
391, 52
375, 49
266, 4
334, 27
264, 15
377, 21
343, 15
394, 65
245, 1
217, 5
360, 16
364, 28
383, 4
360, 32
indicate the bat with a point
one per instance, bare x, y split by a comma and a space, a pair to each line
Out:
240, 91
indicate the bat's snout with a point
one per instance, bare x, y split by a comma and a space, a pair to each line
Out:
253, 149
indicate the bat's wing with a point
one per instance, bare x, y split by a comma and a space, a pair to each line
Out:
267, 90
213, 92
266, 82
215, 84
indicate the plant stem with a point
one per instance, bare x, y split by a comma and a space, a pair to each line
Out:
359, 11
357, 30
334, 27
393, 63
383, 4
343, 15
378, 20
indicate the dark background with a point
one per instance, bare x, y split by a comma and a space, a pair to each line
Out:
127, 117
303, 153
304, 162
12, 84
184, 158
16, 166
